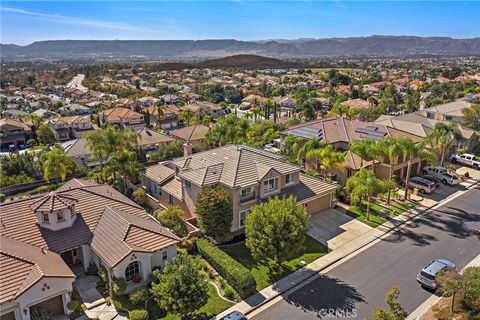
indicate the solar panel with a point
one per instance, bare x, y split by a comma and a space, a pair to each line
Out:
371, 132
307, 133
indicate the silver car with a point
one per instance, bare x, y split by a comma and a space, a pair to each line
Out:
426, 277
235, 315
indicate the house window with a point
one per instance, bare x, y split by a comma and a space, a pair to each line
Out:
270, 185
132, 271
45, 217
430, 115
60, 217
188, 184
243, 217
289, 178
170, 199
246, 192
164, 255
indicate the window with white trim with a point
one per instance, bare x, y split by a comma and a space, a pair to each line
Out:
242, 217
289, 178
170, 199
45, 217
132, 271
188, 184
245, 192
164, 255
60, 217
270, 185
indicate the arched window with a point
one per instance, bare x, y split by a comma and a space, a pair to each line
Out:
132, 271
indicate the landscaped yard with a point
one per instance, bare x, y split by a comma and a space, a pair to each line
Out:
374, 221
214, 306
266, 273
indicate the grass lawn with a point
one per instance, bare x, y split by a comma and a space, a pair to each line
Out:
266, 273
214, 306
374, 220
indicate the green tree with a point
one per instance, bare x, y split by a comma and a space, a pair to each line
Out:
442, 136
471, 117
471, 288
110, 141
187, 116
139, 196
365, 185
413, 151
390, 148
365, 149
180, 288
55, 164
126, 165
171, 217
214, 211
394, 312
311, 144
326, 159
449, 282
45, 135
276, 229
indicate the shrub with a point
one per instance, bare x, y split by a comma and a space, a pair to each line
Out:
119, 306
139, 196
172, 219
42, 189
103, 274
229, 293
188, 244
232, 271
138, 315
139, 296
118, 286
2, 197
73, 305
92, 269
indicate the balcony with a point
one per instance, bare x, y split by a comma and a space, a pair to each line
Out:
248, 197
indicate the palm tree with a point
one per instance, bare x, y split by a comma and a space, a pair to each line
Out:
327, 159
256, 112
311, 144
442, 136
412, 151
125, 164
293, 144
55, 164
364, 184
391, 148
365, 149
187, 115
339, 109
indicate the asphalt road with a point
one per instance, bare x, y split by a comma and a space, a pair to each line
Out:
360, 284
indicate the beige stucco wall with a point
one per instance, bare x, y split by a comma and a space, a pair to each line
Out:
319, 204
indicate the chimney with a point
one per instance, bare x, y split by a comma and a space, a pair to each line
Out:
187, 149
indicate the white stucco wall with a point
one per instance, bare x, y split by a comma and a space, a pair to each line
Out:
52, 287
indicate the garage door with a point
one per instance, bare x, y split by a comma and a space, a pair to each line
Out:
8, 316
317, 205
52, 306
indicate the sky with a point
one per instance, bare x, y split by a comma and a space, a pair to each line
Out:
23, 22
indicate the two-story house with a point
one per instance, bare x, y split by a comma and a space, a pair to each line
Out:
13, 133
206, 108
71, 127
164, 117
250, 175
451, 112
47, 239
123, 117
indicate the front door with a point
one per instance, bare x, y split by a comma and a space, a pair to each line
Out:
71, 257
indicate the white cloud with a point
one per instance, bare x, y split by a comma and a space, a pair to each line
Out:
56, 18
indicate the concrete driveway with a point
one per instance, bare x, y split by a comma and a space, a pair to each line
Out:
334, 228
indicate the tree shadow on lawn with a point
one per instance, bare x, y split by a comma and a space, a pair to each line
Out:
325, 293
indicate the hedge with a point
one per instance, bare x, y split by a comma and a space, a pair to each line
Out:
138, 315
230, 269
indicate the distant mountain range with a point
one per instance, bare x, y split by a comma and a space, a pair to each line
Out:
358, 46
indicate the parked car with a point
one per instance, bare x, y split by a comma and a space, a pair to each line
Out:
442, 174
235, 315
426, 277
423, 185
435, 180
466, 159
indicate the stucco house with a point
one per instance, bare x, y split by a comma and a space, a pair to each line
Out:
14, 133
123, 117
48, 239
250, 175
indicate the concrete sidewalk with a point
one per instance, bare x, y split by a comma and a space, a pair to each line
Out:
342, 252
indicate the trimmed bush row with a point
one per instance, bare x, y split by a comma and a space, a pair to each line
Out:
236, 274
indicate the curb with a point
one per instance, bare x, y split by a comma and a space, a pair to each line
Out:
389, 229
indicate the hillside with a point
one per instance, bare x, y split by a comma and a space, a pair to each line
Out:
359, 46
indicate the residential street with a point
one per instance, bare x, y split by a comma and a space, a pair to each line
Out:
360, 283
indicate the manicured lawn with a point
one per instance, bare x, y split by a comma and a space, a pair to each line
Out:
214, 306
266, 273
374, 220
